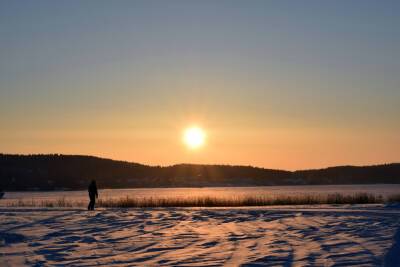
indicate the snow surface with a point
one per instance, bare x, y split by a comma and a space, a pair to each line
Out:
273, 236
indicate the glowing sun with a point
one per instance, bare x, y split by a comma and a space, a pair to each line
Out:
194, 137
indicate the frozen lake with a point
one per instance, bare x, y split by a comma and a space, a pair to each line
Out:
323, 235
379, 189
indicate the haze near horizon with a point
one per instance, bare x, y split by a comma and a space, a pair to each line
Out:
270, 84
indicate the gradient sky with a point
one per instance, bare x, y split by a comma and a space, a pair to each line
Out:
277, 84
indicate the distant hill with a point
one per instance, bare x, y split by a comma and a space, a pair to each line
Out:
55, 172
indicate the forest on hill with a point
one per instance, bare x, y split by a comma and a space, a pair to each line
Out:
71, 172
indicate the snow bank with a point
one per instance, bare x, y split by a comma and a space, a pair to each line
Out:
339, 235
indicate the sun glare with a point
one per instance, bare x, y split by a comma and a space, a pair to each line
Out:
194, 137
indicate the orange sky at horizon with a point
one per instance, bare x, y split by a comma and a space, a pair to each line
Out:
276, 149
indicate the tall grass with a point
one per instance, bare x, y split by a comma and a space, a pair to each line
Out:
59, 203
210, 201
394, 198
207, 201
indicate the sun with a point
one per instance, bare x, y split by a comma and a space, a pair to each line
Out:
194, 137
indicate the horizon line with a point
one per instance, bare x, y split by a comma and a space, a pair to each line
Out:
205, 164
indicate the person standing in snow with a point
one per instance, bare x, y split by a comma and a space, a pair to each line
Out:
92, 189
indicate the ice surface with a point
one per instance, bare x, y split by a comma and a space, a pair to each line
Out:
274, 236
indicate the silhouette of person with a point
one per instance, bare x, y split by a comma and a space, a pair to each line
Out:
92, 189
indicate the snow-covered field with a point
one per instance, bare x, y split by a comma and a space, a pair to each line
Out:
273, 236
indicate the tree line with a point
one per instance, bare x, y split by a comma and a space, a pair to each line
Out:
73, 172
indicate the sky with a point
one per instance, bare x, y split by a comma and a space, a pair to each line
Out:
275, 84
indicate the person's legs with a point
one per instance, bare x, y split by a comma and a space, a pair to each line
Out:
91, 203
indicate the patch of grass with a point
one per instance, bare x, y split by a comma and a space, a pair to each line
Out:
59, 203
130, 202
210, 201
394, 198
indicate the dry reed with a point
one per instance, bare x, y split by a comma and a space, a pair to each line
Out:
210, 201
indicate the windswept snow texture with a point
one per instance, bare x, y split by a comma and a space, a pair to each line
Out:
327, 236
